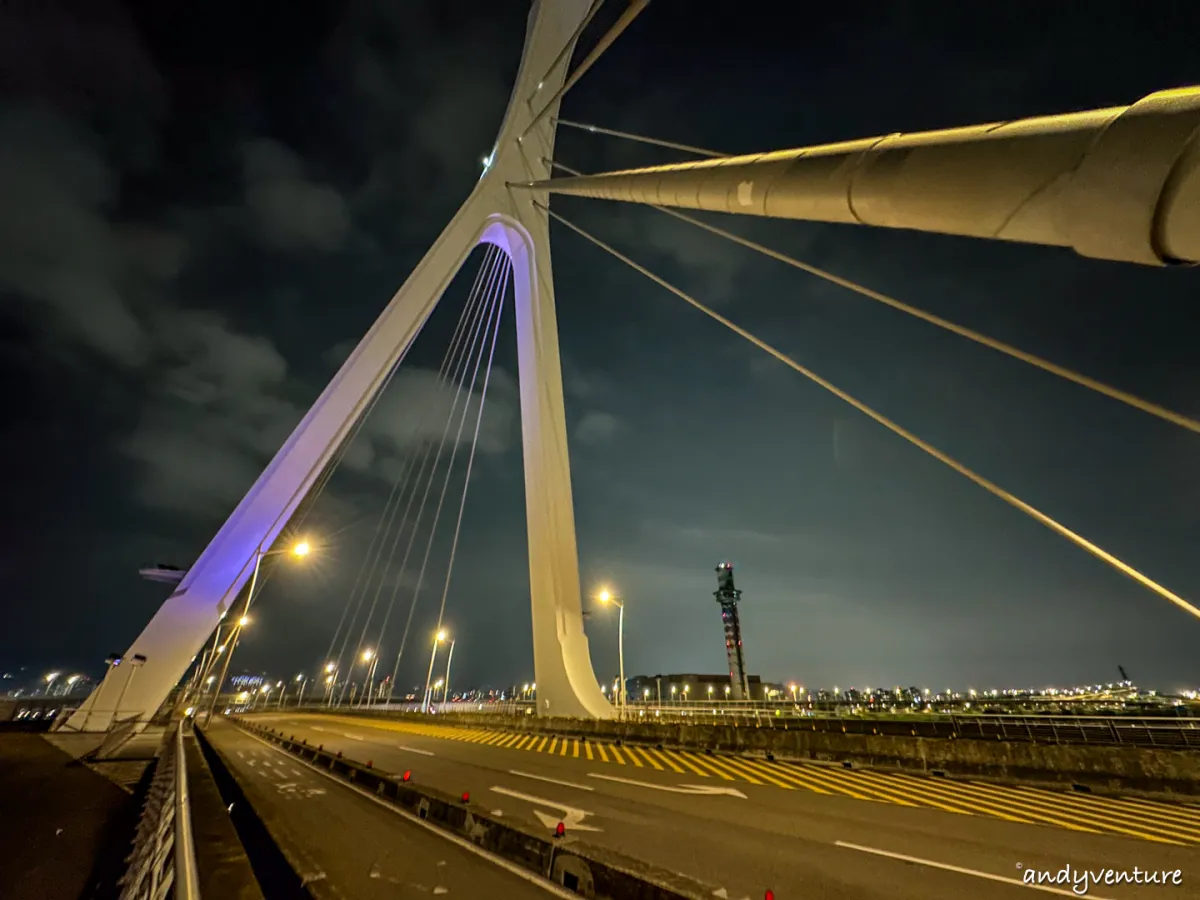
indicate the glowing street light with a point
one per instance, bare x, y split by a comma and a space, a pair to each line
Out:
606, 596
299, 550
437, 639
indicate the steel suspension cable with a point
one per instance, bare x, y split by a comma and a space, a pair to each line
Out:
639, 138
472, 312
1045, 365
462, 503
393, 501
990, 487
494, 300
493, 314
493, 264
457, 367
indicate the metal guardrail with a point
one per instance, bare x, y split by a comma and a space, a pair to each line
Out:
1140, 731
163, 861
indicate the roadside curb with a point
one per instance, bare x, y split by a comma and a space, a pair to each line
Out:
588, 871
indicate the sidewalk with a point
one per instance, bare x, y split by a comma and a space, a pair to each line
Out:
65, 828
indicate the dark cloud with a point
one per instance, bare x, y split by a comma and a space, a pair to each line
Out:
290, 212
597, 427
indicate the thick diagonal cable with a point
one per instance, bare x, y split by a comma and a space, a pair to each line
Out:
626, 19
375, 546
493, 303
397, 491
494, 266
1045, 365
462, 503
453, 363
994, 489
568, 45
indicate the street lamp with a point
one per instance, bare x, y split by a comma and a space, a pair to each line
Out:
299, 550
371, 659
437, 639
446, 688
606, 596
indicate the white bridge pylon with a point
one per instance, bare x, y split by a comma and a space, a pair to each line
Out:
493, 214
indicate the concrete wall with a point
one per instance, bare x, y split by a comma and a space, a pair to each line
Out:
1097, 767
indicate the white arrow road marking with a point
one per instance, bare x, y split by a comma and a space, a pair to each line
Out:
570, 784
414, 750
987, 876
699, 789
572, 818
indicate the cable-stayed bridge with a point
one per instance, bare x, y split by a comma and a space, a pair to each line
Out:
1119, 184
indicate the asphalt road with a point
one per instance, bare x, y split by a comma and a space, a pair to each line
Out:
347, 846
805, 831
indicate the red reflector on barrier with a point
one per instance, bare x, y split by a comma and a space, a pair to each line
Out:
466, 796
560, 829
369, 763
769, 895
407, 775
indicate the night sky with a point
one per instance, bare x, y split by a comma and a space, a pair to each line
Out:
204, 205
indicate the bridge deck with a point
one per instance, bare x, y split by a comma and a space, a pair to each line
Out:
343, 844
748, 825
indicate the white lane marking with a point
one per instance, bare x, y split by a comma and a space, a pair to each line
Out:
353, 737
317, 728
987, 876
699, 789
414, 750
512, 868
570, 784
571, 818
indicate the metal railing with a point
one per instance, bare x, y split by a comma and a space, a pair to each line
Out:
1133, 731
163, 861
1159, 732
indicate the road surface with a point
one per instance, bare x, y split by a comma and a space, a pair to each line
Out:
347, 846
810, 831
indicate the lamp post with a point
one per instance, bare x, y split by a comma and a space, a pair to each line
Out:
446, 687
370, 658
606, 596
437, 639
110, 662
135, 663
299, 550
303, 681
